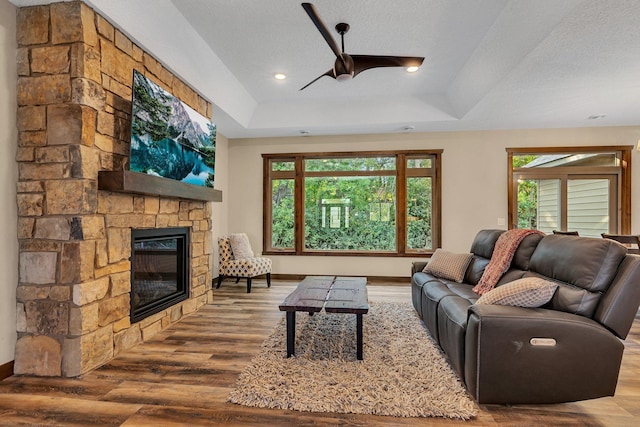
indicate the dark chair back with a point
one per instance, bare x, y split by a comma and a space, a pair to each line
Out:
566, 233
631, 241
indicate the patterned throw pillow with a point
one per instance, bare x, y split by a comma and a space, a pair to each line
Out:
240, 246
527, 292
448, 265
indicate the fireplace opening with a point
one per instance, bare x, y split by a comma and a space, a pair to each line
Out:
159, 270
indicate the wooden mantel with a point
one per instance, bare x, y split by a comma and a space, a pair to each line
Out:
139, 183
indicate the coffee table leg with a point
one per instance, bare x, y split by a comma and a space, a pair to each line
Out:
359, 335
291, 332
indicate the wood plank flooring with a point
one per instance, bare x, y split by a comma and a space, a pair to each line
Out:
182, 377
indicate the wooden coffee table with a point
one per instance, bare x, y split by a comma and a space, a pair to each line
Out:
335, 294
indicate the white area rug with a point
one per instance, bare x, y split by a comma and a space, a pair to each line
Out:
403, 374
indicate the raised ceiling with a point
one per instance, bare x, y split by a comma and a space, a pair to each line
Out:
490, 64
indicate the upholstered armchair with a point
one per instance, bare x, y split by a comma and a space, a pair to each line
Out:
238, 260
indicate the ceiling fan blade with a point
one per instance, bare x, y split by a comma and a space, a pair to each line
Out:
313, 14
365, 62
328, 73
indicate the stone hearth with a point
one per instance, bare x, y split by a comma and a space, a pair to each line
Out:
74, 105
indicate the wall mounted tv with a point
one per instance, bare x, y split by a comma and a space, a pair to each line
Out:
168, 138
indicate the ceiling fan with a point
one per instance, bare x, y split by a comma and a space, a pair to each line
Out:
348, 66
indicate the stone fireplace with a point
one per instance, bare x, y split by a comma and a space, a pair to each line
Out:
74, 104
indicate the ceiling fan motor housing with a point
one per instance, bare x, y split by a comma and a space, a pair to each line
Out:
343, 71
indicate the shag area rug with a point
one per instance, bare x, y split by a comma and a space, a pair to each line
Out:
403, 374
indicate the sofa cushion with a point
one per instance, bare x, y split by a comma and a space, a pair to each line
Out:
475, 270
240, 246
527, 292
583, 267
484, 242
448, 265
522, 256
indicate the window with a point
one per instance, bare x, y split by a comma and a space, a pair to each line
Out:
583, 189
382, 203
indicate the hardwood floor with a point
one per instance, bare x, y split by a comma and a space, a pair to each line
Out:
182, 377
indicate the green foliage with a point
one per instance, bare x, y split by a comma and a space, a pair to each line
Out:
527, 195
156, 114
282, 213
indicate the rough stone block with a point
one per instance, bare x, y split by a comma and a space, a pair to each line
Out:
92, 227
123, 43
175, 313
58, 154
46, 317
84, 162
25, 228
95, 349
22, 61
196, 215
72, 22
121, 324
38, 355
137, 54
115, 63
102, 255
30, 204
104, 28
32, 25
35, 171
185, 94
25, 154
106, 123
60, 293
104, 143
35, 245
77, 262
113, 309
88, 292
83, 319
164, 221
31, 292
119, 244
71, 124
50, 59
32, 118
42, 90
32, 139
113, 268
127, 339
114, 203
189, 306
53, 228
21, 318
156, 68
85, 62
88, 92
120, 283
151, 205
83, 201
30, 187
197, 249
151, 330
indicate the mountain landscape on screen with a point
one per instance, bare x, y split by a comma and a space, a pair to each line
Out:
168, 138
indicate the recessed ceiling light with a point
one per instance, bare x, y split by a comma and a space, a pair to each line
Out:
412, 69
408, 128
280, 76
304, 132
597, 116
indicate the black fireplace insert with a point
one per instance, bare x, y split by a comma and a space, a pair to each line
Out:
159, 270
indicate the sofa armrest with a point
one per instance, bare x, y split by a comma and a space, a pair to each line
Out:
534, 355
417, 266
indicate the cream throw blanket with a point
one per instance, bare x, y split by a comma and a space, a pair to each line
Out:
505, 248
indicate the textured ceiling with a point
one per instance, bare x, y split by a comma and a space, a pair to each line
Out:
490, 64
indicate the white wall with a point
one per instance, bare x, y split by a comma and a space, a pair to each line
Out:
220, 211
474, 184
8, 181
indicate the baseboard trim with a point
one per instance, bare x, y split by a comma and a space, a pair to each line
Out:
6, 370
389, 280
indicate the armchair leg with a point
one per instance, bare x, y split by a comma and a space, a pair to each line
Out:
237, 279
248, 285
268, 280
220, 279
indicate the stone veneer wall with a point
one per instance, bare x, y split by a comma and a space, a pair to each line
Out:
74, 105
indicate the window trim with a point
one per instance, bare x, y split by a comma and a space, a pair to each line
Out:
624, 186
401, 173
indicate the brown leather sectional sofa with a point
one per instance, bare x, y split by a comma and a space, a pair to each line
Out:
567, 350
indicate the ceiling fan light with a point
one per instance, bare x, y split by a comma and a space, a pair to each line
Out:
412, 69
344, 77
280, 76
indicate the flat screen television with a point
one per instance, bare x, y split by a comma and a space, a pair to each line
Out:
168, 138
